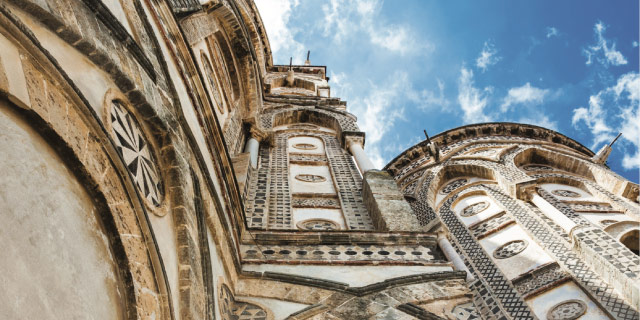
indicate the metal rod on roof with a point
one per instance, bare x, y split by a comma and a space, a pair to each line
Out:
290, 62
426, 135
614, 140
308, 54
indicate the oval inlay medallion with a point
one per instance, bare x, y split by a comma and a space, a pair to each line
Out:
510, 249
310, 178
474, 209
304, 146
567, 310
318, 225
565, 193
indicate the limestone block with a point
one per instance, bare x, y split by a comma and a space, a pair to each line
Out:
241, 163
386, 204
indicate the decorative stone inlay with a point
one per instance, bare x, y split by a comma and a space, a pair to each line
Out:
540, 279
607, 222
565, 193
486, 227
591, 207
418, 254
567, 310
537, 167
510, 249
473, 209
560, 248
318, 225
465, 311
453, 185
308, 158
230, 309
316, 203
496, 294
310, 178
134, 149
304, 146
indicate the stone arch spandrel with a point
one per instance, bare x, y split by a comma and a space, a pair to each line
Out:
257, 34
61, 113
450, 172
537, 155
239, 49
343, 124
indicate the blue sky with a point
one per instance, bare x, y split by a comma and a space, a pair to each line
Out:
405, 66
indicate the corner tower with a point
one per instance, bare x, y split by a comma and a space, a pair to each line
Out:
321, 221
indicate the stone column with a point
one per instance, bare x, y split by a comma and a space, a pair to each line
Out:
355, 147
252, 147
552, 213
453, 256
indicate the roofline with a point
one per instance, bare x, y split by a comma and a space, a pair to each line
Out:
442, 139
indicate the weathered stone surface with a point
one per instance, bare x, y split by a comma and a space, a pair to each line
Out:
389, 210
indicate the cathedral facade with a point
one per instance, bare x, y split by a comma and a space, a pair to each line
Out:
156, 164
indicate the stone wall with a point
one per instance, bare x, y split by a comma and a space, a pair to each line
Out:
505, 167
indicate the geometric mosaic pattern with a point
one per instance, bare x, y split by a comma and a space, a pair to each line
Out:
484, 228
482, 265
466, 311
269, 200
540, 278
561, 250
134, 149
230, 309
489, 285
453, 185
316, 202
418, 254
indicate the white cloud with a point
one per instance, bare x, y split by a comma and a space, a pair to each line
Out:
624, 100
471, 99
552, 32
343, 19
634, 44
427, 99
488, 56
377, 111
631, 131
275, 15
525, 94
601, 51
